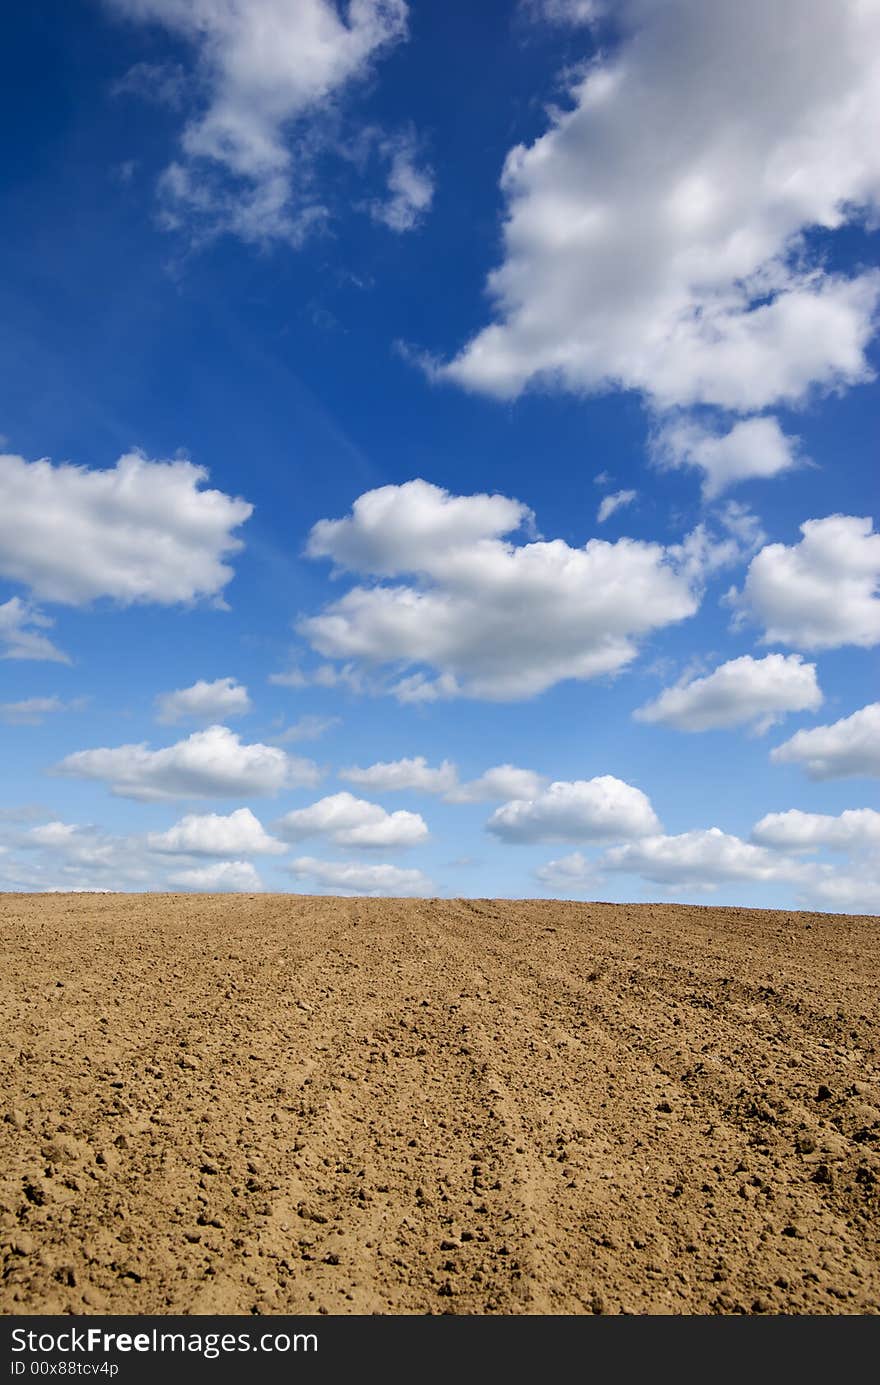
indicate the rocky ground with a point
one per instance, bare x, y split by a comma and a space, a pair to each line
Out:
283, 1104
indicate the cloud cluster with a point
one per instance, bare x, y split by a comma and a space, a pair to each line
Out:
262, 67
821, 593
604, 809
140, 531
744, 690
846, 749
351, 821
221, 877
209, 764
353, 878
781, 851
203, 701
653, 242
485, 617
499, 782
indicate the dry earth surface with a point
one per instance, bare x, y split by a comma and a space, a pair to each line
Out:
284, 1104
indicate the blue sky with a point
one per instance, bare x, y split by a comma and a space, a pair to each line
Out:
439, 449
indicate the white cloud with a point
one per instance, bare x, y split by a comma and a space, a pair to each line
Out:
410, 188
743, 524
855, 829
32, 711
216, 701
72, 856
324, 676
753, 448
500, 782
743, 690
586, 810
844, 892
822, 592
209, 764
141, 531
307, 728
846, 749
54, 833
351, 821
492, 619
352, 878
221, 877
263, 67
705, 857
415, 527
390, 776
573, 872
654, 236
610, 503
564, 12
21, 627
211, 834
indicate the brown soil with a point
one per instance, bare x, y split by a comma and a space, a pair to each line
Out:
281, 1104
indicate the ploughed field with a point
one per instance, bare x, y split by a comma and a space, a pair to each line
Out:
287, 1104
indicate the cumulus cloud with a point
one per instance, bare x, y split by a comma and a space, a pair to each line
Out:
209, 764
389, 776
353, 878
759, 691
203, 701
753, 448
140, 531
499, 782
412, 528
604, 809
211, 834
263, 68
705, 857
855, 829
21, 632
820, 593
655, 236
573, 872
488, 618
351, 821
846, 749
32, 711
610, 503
410, 189
221, 877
